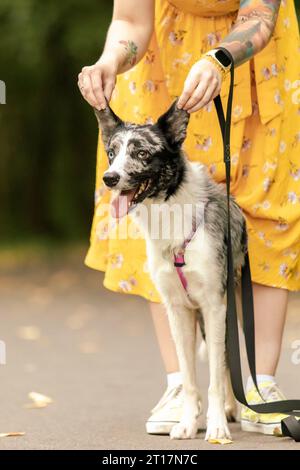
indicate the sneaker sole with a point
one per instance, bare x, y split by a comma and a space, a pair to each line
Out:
273, 429
165, 427
159, 427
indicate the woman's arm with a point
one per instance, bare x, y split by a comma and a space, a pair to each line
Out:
250, 33
130, 32
252, 29
126, 43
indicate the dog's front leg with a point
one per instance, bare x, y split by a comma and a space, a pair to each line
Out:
183, 327
215, 317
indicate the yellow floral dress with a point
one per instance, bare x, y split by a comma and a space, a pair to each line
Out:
265, 139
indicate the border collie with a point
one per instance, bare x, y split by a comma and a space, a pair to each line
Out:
148, 169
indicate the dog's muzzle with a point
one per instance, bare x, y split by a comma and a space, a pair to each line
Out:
111, 178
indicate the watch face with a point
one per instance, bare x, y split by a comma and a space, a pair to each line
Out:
222, 57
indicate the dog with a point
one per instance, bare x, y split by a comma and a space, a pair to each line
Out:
148, 168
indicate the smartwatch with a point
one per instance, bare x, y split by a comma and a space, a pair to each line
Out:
220, 56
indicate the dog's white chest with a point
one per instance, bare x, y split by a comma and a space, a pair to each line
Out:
197, 270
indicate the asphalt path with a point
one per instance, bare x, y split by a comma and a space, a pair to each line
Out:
93, 352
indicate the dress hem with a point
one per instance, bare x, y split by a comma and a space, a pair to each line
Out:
113, 288
102, 268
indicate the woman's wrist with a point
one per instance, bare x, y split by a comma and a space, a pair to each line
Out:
221, 58
122, 56
110, 59
220, 69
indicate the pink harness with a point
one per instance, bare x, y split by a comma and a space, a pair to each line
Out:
179, 260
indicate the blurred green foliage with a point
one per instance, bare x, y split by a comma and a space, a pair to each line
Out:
48, 134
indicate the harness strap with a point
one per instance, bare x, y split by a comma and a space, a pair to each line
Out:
179, 260
290, 426
178, 263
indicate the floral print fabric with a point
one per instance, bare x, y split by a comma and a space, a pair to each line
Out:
265, 139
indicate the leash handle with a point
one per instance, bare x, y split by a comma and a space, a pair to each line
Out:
290, 426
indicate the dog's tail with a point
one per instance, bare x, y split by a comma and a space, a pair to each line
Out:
202, 348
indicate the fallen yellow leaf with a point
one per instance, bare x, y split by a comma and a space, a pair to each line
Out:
277, 432
39, 400
220, 441
11, 434
39, 397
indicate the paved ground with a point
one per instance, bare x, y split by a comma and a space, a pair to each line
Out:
94, 354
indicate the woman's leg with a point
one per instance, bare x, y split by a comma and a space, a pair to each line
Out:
270, 306
168, 410
164, 337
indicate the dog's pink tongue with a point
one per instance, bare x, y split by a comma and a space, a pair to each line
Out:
120, 204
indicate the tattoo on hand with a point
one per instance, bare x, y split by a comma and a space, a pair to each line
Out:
252, 29
131, 52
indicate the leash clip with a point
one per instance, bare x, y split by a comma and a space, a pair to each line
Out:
178, 264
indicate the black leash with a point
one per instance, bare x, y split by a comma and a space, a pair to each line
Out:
290, 426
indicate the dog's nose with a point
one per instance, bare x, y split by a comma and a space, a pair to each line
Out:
111, 178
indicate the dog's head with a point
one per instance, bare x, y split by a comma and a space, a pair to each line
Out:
145, 161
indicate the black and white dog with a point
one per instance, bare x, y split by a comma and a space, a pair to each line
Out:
147, 167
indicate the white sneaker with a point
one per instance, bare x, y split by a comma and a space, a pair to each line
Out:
167, 412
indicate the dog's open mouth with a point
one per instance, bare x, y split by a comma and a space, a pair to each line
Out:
126, 200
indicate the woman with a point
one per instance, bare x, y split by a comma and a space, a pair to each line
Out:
156, 54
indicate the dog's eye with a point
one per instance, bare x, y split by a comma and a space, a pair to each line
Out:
142, 154
110, 154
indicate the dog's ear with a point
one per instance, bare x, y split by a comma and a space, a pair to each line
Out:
173, 124
108, 121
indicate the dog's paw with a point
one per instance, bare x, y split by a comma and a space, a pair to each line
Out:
217, 428
184, 430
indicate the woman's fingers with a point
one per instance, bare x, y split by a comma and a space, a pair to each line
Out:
96, 83
97, 88
196, 96
189, 86
207, 83
108, 88
202, 84
211, 92
86, 88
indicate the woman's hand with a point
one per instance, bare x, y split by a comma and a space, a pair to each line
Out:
202, 84
96, 82
126, 42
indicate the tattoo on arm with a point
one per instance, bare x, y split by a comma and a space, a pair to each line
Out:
252, 29
131, 52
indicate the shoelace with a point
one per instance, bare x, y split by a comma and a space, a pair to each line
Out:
272, 393
172, 394
269, 393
